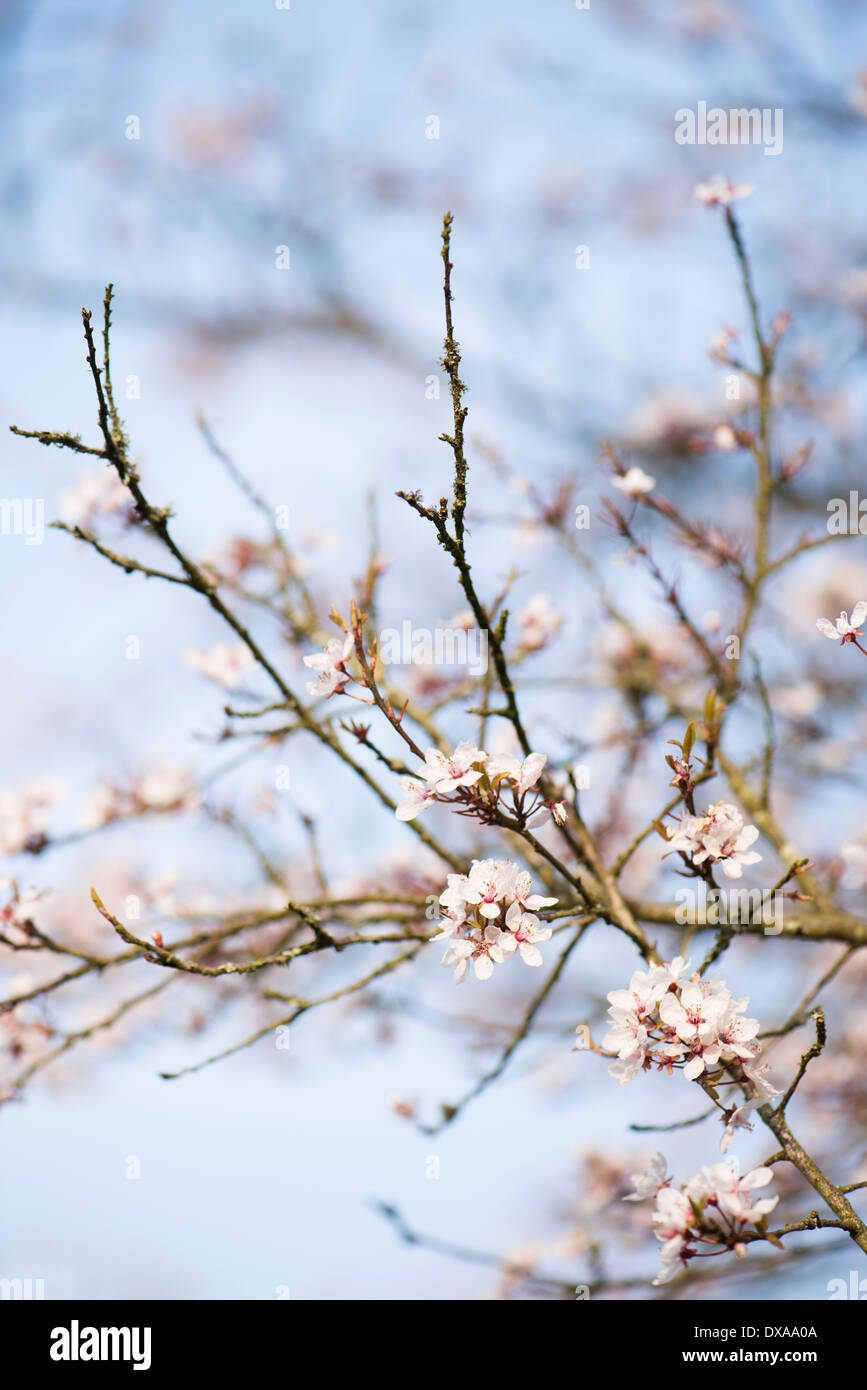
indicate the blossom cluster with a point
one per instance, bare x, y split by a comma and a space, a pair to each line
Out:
691, 1023
96, 493
16, 912
23, 1039
330, 667
482, 779
717, 836
716, 1207
538, 623
225, 664
25, 813
163, 788
490, 914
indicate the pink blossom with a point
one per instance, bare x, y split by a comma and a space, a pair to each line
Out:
417, 797
445, 772
97, 492
221, 663
539, 622
720, 192
649, 1182
718, 835
25, 814
634, 482
522, 775
715, 1207
330, 665
845, 629
485, 918
694, 1025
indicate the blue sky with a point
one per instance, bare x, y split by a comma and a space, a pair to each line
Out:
556, 130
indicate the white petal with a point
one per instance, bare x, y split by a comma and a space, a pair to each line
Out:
484, 967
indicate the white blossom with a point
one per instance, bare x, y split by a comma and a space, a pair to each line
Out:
221, 663
719, 836
330, 665
97, 492
648, 1183
716, 1207
539, 622
445, 772
25, 813
720, 191
523, 775
694, 1025
417, 795
480, 780
724, 438
844, 629
486, 921
634, 482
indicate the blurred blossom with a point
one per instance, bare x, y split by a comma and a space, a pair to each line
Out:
538, 622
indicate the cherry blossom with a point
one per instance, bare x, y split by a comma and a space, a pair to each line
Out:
488, 881
548, 810
724, 438
720, 192
416, 796
221, 663
16, 911
330, 665
845, 629
716, 1208
738, 1120
720, 343
163, 788
525, 899
694, 1025
97, 492
463, 620
22, 1040
757, 1078
166, 786
446, 772
854, 856
25, 814
483, 948
634, 482
526, 932
522, 775
440, 774
539, 622
477, 782
649, 1182
718, 836
486, 920
694, 1018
